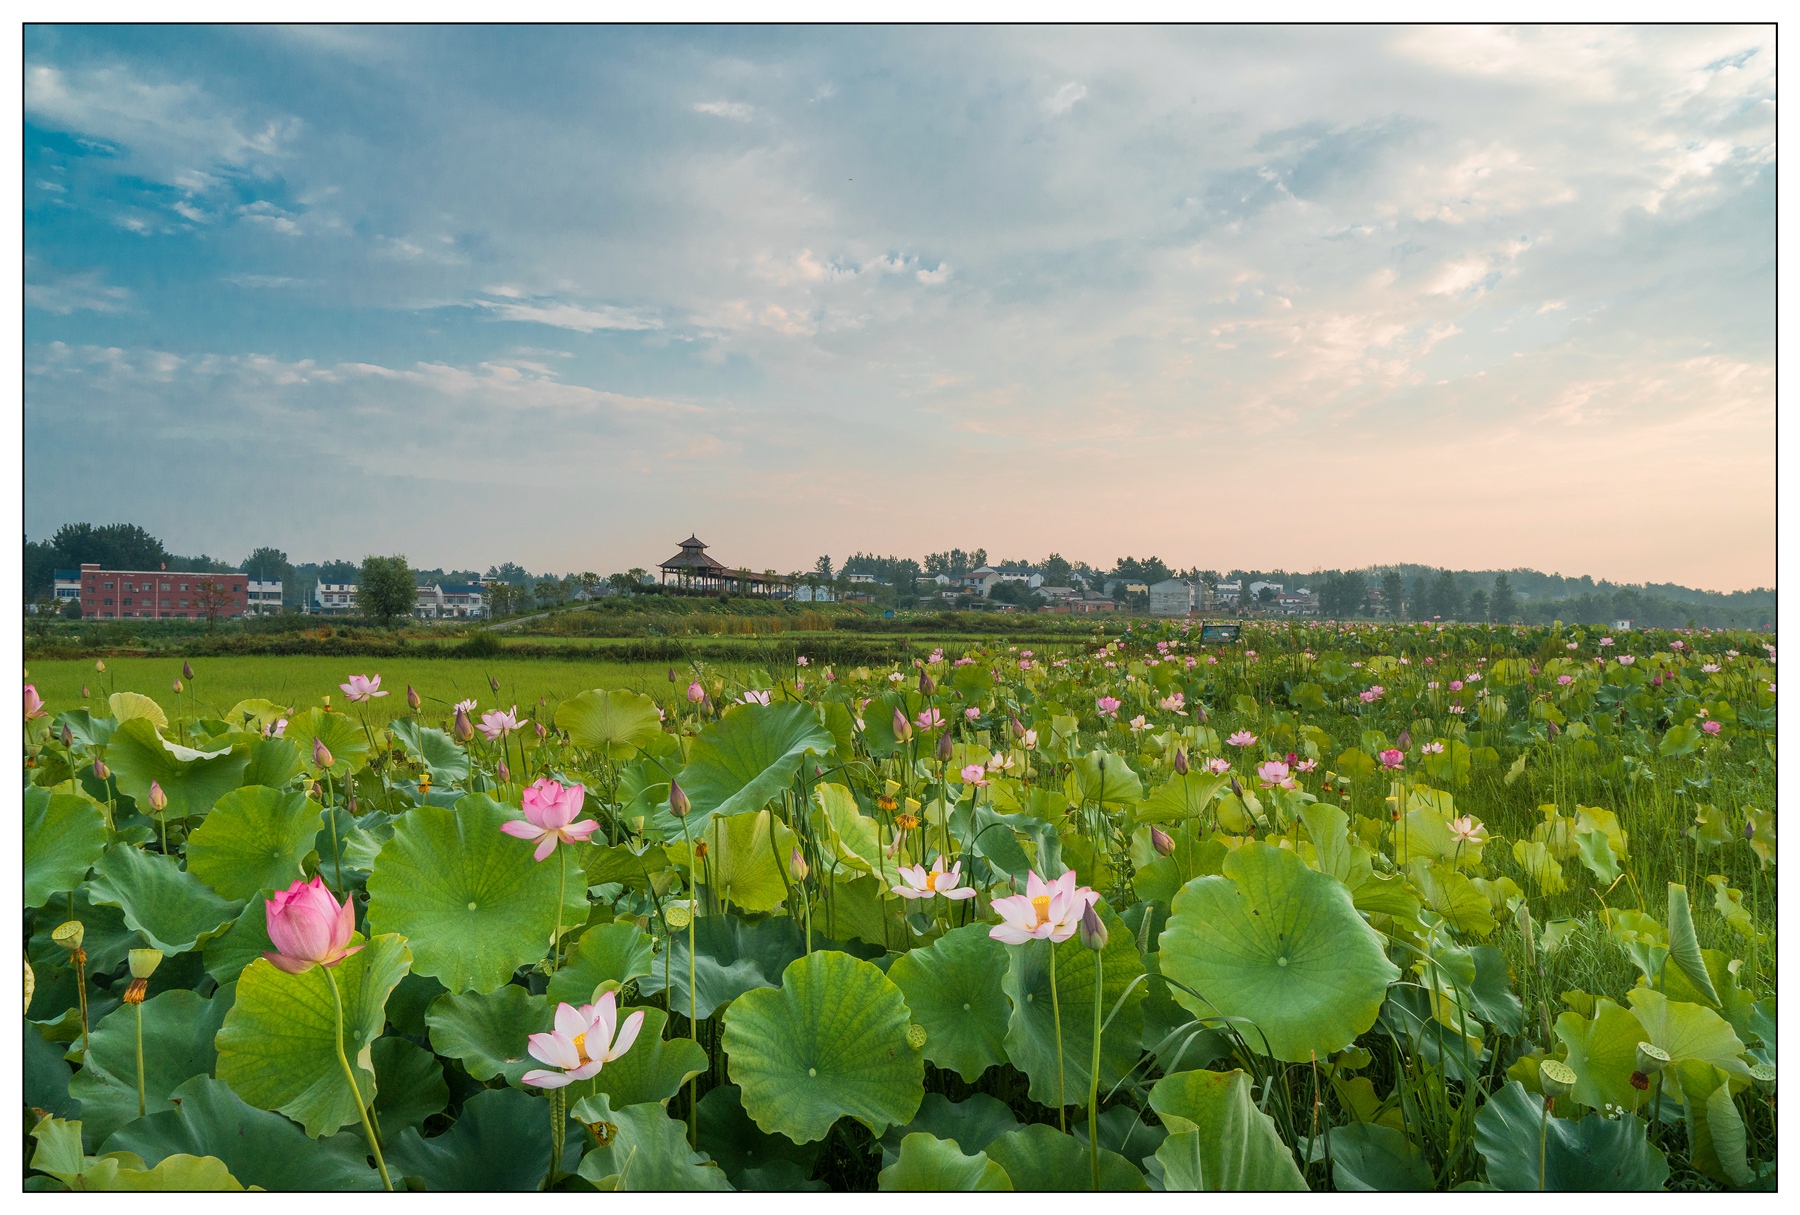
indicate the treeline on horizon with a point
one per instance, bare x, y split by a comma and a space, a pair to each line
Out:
1424, 592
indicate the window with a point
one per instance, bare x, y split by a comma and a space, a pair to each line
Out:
184, 586
165, 586
107, 601
127, 601
165, 602
184, 603
109, 586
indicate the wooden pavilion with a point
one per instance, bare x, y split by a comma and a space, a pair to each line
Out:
693, 570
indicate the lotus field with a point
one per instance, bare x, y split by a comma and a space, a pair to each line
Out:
1329, 907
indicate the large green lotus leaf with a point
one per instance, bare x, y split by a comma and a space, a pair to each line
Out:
730, 958
1452, 895
64, 836
971, 1124
829, 1042
1687, 1031
260, 1148
1368, 1156
126, 706
747, 757
120, 1172
46, 1075
1218, 1139
1184, 797
740, 863
274, 762
488, 1030
851, 838
647, 1151
953, 988
729, 1137
1602, 1052
1107, 779
1762, 1026
469, 898
1718, 1141
178, 1044
192, 780
447, 762
1491, 996
1280, 945
409, 1084
501, 1142
618, 952
654, 1069
1031, 1029
1684, 945
1595, 1154
616, 723
254, 840
246, 940
171, 908
342, 735
1042, 1158
928, 1163
278, 1047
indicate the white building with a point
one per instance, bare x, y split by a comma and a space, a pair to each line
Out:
334, 598
1172, 597
457, 601
67, 586
262, 598
1256, 589
860, 578
979, 582
1229, 592
813, 594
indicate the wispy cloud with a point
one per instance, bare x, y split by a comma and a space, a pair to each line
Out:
737, 110
85, 291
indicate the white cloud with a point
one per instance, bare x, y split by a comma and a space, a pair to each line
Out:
86, 291
738, 110
932, 278
1064, 99
569, 316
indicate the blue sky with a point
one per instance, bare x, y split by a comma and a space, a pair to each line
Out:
1260, 297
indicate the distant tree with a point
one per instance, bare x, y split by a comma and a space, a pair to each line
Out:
1446, 597
1502, 604
1342, 595
1393, 593
590, 582
1267, 595
622, 584
338, 571
1478, 605
504, 597
640, 575
117, 546
1056, 571
41, 563
387, 589
510, 572
271, 565
822, 567
1017, 593
71, 609
212, 596
978, 558
1420, 603
1211, 577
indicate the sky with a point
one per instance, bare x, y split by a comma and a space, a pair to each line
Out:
1247, 297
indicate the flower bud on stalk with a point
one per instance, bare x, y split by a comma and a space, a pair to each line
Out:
1160, 840
493, 683
1237, 790
68, 740
1093, 929
1404, 742
943, 747
902, 727
177, 687
503, 772
926, 687
678, 801
1181, 762
671, 674
462, 730
797, 865
412, 698
539, 726
84, 691
1018, 728
101, 772
321, 754
100, 664
159, 801
187, 671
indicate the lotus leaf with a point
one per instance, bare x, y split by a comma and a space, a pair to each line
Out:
1595, 1154
499, 1143
1040, 1157
647, 1150
728, 1135
1218, 1139
342, 735
953, 988
616, 953
255, 839
487, 1031
64, 836
747, 756
926, 1163
192, 780
1031, 1029
653, 1070
409, 1084
1369, 1156
178, 1045
616, 724
169, 907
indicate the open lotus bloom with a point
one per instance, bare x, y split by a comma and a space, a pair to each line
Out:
582, 1042
361, 687
550, 811
1046, 911
307, 926
496, 725
915, 883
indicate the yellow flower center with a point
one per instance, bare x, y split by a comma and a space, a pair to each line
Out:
581, 1049
1041, 905
931, 881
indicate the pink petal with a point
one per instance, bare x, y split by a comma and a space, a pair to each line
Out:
569, 1021
545, 847
554, 1049
588, 1070
966, 892
907, 892
524, 831
1011, 934
627, 1035
292, 966
602, 1019
544, 1079
1035, 886
578, 832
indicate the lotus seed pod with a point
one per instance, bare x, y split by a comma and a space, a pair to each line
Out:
1555, 1077
69, 935
187, 671
159, 801
1763, 1076
144, 962
412, 698
1651, 1059
678, 801
1093, 929
321, 753
678, 915
1159, 840
915, 1036
1181, 762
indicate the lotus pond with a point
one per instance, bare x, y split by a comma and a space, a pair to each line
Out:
1333, 907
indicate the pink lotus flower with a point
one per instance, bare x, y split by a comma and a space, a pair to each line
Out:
464, 707
1393, 758
1606, 641
1458, 710
34, 706
930, 719
1466, 830
754, 697
974, 774
582, 1042
1626, 660
1307, 765
307, 926
1030, 739
1432, 748
1218, 767
1047, 911
1456, 685
1711, 668
1243, 738
1677, 645
550, 811
361, 687
916, 883
1711, 727
498, 725
1273, 773
971, 714
1173, 703
695, 693
802, 661
1563, 681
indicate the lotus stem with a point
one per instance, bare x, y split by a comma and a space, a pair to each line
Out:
558, 1125
562, 889
1543, 1139
337, 1003
140, 1058
337, 865
693, 997
1062, 1103
1094, 1074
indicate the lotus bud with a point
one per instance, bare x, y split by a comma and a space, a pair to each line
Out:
1160, 840
1181, 762
318, 790
1404, 742
678, 915
1555, 1077
1018, 728
1237, 790
1526, 936
503, 772
412, 698
321, 754
493, 683
1093, 929
1763, 1076
943, 747
187, 671
902, 727
797, 865
69, 935
177, 687
84, 691
926, 687
159, 801
350, 805
1651, 1059
539, 726
100, 664
462, 730
695, 693
68, 740
678, 801
671, 674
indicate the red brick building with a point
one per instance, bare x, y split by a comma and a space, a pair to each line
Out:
158, 594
